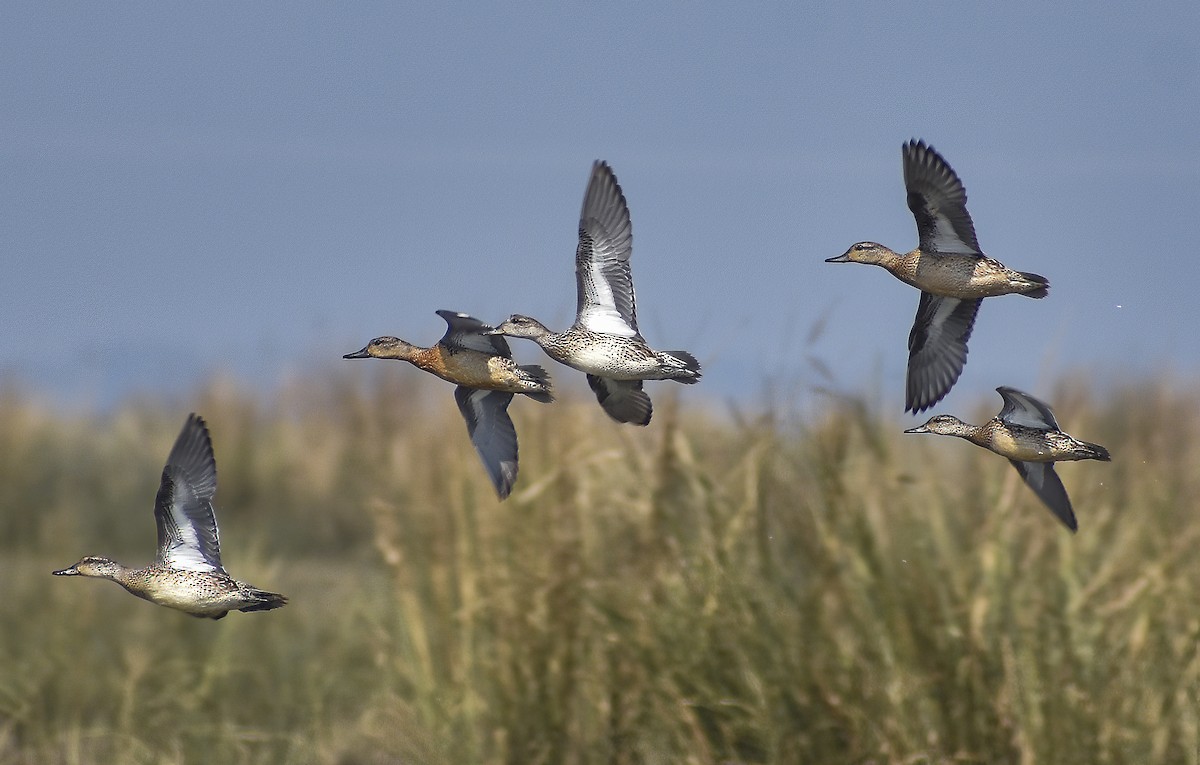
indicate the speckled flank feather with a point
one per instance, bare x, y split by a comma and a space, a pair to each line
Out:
187, 573
604, 341
948, 267
481, 365
1027, 433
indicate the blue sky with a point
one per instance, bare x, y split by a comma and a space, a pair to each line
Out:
259, 188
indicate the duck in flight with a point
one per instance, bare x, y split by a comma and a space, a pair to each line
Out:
187, 573
604, 342
948, 267
481, 365
1027, 434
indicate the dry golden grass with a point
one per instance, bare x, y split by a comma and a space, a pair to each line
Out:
700, 591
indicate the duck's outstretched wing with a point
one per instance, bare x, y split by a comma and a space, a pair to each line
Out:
623, 400
1020, 408
602, 274
938, 201
1044, 481
937, 348
492, 432
466, 332
187, 526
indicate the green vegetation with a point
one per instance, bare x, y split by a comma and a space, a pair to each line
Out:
701, 591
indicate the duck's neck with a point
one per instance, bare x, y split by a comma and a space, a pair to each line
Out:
418, 357
903, 266
120, 574
976, 434
429, 359
553, 340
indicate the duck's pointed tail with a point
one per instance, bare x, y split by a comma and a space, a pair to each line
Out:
264, 601
538, 376
1039, 286
684, 365
1094, 452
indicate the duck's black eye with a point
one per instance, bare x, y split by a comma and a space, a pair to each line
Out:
862, 246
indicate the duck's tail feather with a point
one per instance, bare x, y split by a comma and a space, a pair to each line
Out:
686, 367
1040, 285
541, 378
266, 601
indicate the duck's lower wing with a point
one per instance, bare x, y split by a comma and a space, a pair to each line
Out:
1044, 481
623, 400
492, 432
937, 348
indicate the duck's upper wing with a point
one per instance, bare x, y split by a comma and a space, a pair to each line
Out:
187, 527
1020, 408
937, 348
492, 432
1045, 482
464, 332
938, 201
602, 275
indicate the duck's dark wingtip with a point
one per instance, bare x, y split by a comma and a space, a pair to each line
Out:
916, 408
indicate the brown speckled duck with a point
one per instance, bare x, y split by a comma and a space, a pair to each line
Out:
1027, 434
481, 365
187, 573
953, 274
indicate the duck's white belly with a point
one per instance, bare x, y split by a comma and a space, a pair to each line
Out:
595, 360
617, 358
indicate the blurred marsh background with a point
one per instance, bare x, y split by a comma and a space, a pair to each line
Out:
758, 590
